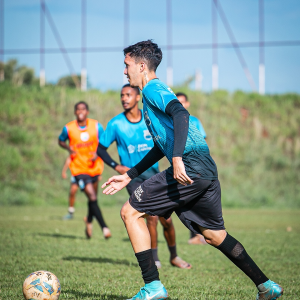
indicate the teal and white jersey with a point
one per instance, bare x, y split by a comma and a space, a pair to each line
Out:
156, 97
133, 141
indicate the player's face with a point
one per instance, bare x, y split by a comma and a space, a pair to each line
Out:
129, 98
132, 71
183, 101
81, 112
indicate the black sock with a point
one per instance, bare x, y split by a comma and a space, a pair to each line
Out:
147, 265
235, 251
155, 255
95, 211
192, 234
173, 252
90, 213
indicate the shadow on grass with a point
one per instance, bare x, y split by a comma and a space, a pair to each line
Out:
102, 260
82, 295
128, 240
64, 236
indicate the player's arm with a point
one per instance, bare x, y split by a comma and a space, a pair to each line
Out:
103, 154
65, 167
62, 141
116, 183
180, 118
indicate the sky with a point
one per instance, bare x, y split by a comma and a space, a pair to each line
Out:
191, 24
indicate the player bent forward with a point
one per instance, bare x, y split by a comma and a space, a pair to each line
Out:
190, 187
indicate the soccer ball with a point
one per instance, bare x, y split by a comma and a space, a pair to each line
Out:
41, 285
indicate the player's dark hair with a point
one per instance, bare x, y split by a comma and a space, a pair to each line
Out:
146, 50
137, 90
184, 95
81, 102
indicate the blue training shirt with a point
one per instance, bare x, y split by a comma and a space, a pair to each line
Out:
199, 125
133, 142
65, 136
196, 156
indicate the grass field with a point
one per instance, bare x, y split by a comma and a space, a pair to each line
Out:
35, 238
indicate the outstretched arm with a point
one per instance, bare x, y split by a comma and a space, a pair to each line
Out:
180, 118
116, 183
103, 154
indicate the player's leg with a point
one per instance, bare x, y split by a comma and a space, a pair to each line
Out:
169, 233
236, 252
106, 231
152, 222
141, 243
72, 193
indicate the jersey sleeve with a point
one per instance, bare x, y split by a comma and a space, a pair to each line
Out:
100, 130
64, 135
160, 96
108, 136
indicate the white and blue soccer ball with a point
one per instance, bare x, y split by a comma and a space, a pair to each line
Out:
41, 285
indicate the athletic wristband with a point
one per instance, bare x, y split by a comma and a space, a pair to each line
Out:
133, 173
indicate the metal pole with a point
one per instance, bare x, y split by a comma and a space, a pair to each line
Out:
235, 45
83, 46
61, 46
261, 71
126, 31
215, 67
42, 45
169, 44
2, 40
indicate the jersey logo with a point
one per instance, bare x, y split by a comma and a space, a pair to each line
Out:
131, 149
171, 91
84, 136
147, 135
138, 193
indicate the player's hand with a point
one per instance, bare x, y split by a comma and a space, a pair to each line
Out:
179, 171
72, 152
94, 156
64, 175
115, 184
121, 169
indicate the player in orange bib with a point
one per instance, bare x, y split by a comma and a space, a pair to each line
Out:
83, 135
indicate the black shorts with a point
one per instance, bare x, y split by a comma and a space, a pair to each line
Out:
83, 179
195, 204
133, 185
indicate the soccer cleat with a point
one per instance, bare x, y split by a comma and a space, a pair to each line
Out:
68, 217
88, 228
269, 291
151, 291
158, 264
106, 232
180, 263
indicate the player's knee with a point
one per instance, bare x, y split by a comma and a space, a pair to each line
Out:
152, 221
126, 212
167, 224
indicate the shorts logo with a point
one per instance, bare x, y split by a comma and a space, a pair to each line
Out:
84, 136
131, 149
138, 193
147, 135
81, 184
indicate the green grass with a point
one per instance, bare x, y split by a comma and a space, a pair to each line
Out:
254, 139
35, 238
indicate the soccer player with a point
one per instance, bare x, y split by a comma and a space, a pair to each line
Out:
195, 239
190, 187
73, 189
134, 141
83, 135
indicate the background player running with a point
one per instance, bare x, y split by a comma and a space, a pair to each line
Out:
195, 239
83, 135
134, 141
190, 187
